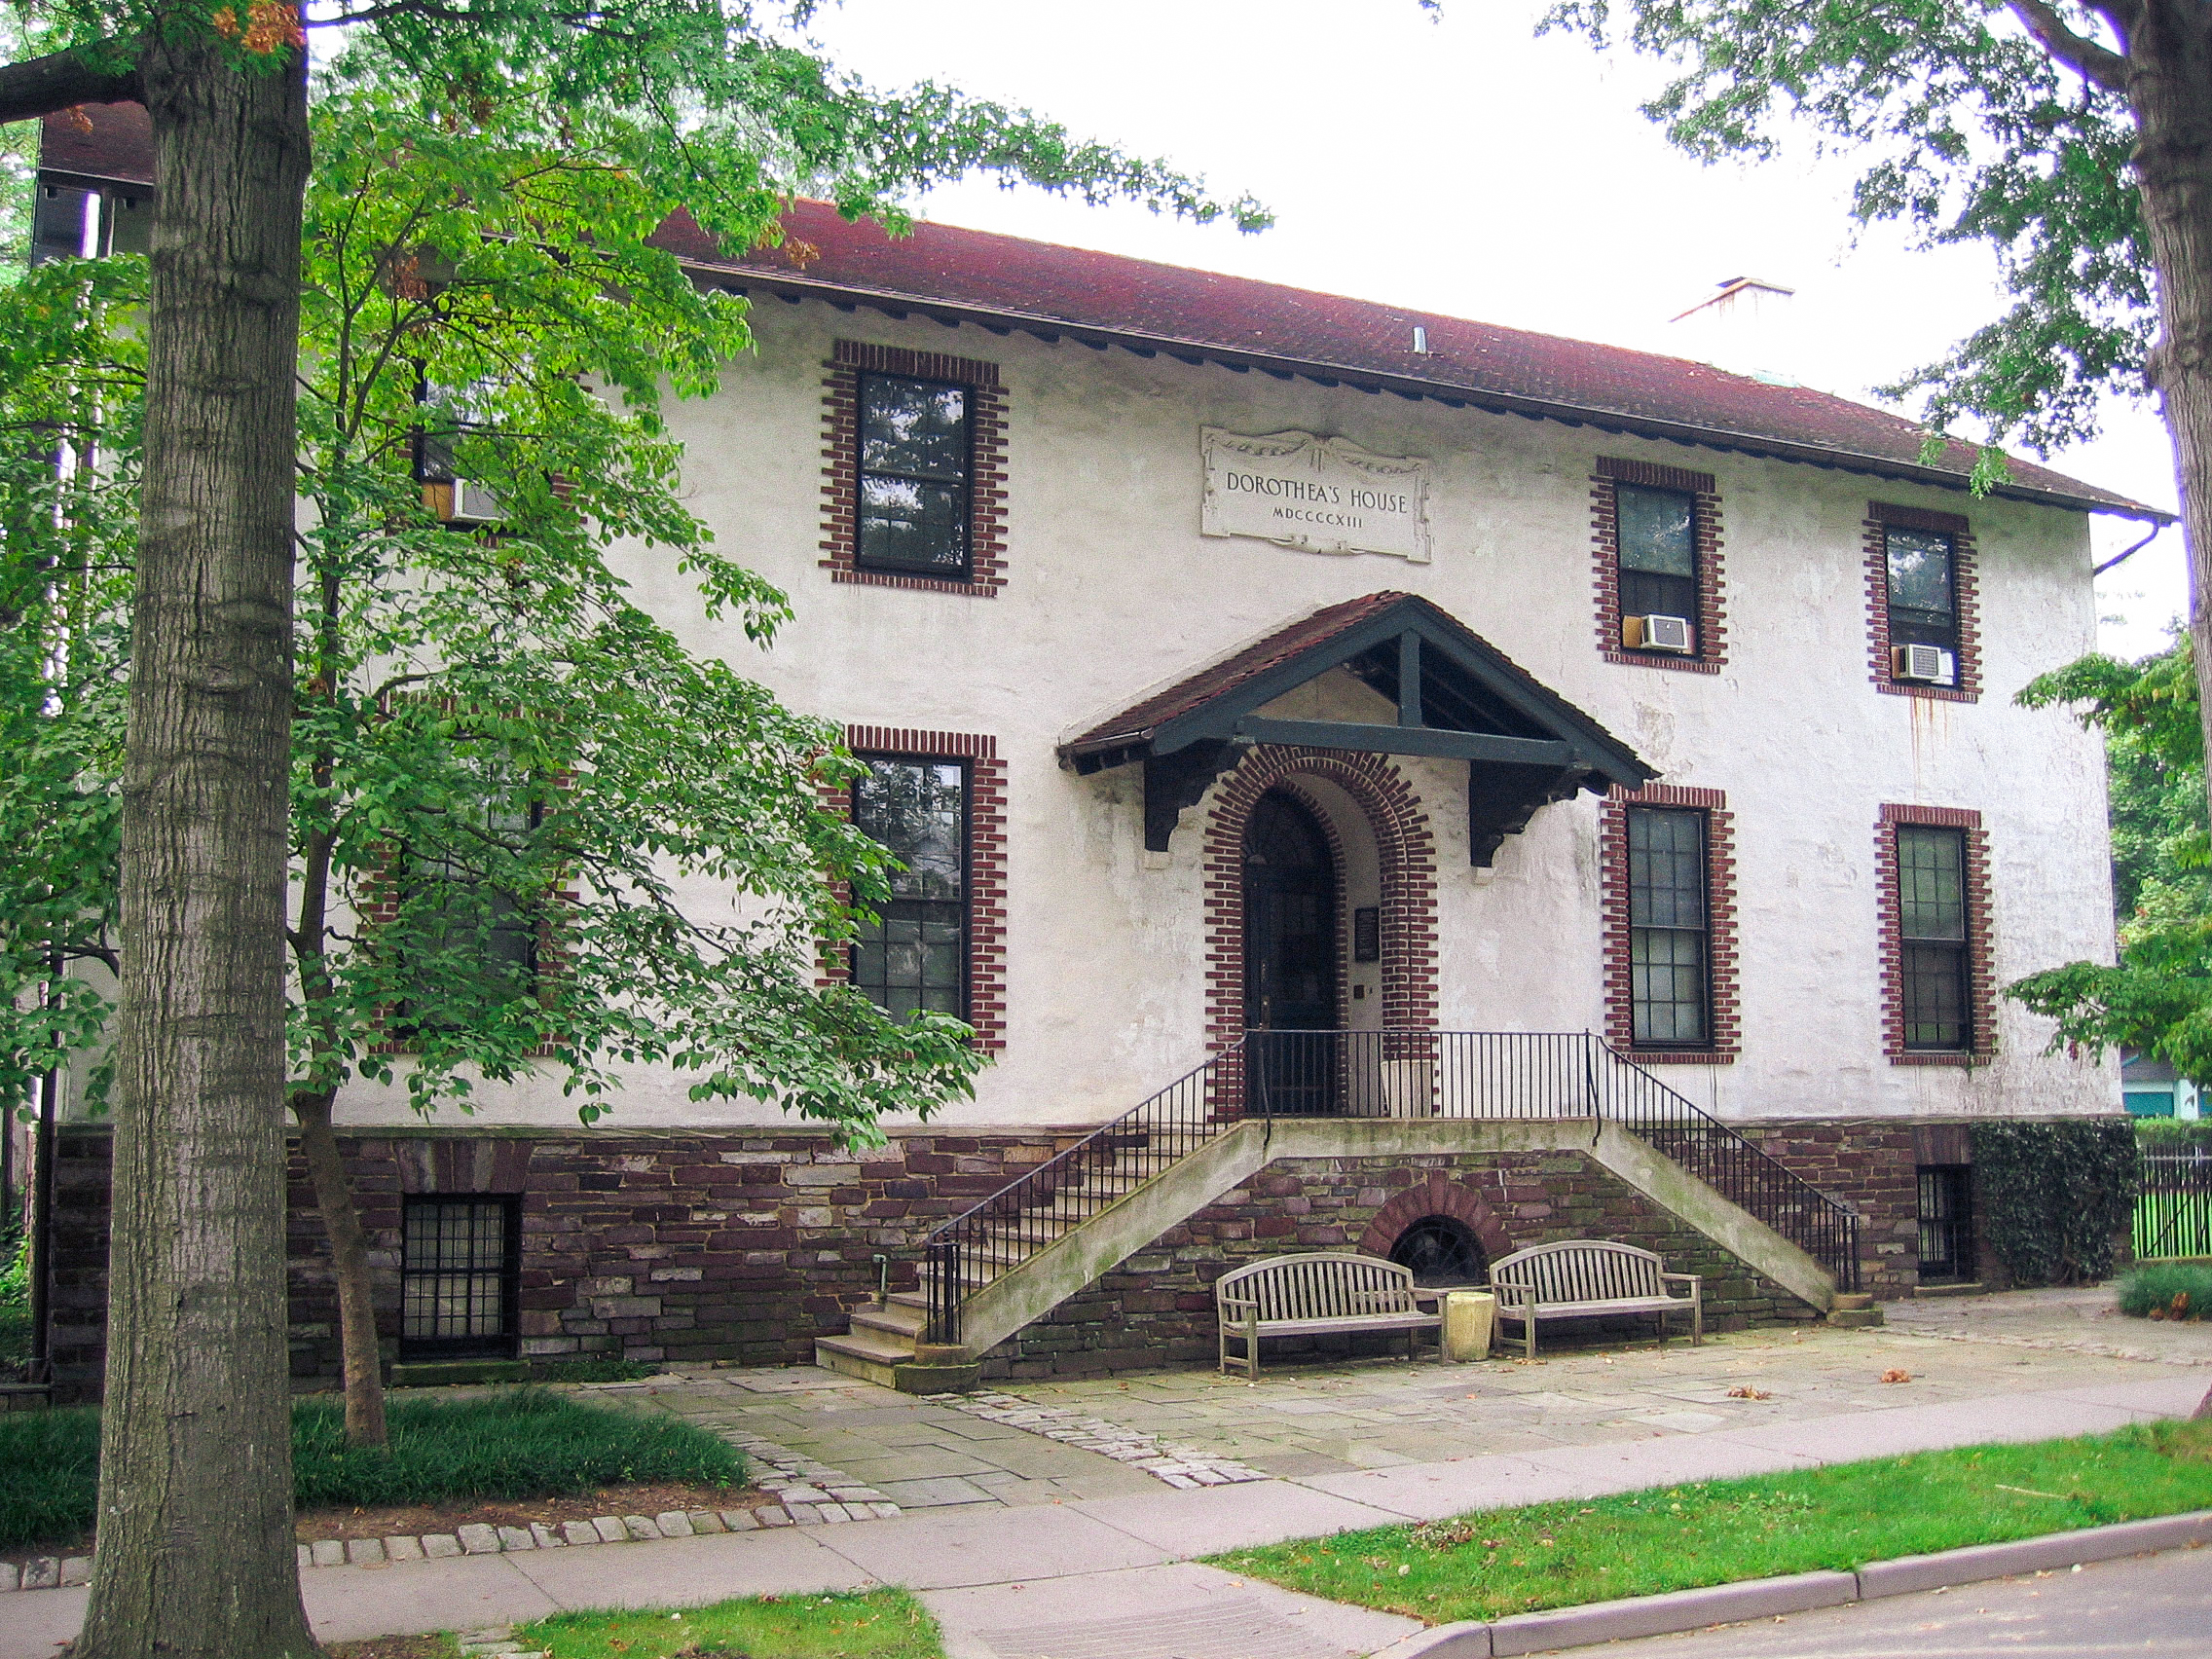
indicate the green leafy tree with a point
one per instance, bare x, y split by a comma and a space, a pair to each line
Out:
696, 102
2072, 139
2158, 998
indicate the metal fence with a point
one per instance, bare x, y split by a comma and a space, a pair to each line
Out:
2173, 1206
1485, 1075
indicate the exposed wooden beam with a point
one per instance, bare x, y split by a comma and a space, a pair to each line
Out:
1408, 740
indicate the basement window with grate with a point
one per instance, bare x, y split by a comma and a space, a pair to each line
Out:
459, 1277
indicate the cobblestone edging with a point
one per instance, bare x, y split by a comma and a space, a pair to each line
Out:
808, 1493
1178, 1466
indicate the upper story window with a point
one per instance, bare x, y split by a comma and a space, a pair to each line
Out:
915, 955
1671, 987
1921, 609
1657, 536
468, 943
1923, 605
916, 455
1935, 983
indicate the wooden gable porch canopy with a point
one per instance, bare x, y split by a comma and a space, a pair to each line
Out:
1458, 697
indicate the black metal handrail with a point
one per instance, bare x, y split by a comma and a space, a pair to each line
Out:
1265, 1075
1044, 1203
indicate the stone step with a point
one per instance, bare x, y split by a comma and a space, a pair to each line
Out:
895, 1320
1851, 1301
860, 1356
1856, 1319
1927, 1290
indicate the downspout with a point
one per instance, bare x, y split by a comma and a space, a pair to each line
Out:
2126, 554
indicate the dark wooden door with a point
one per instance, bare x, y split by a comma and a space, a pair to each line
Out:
1290, 955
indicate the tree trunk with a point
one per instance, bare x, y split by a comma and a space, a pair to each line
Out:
196, 1551
2169, 88
349, 1266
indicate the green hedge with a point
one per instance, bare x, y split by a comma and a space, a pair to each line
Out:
2156, 1286
522, 1443
2056, 1196
2173, 1134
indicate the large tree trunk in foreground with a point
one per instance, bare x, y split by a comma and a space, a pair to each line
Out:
2169, 88
195, 1554
349, 1268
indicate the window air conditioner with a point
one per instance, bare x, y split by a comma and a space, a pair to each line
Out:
1656, 633
472, 504
1931, 663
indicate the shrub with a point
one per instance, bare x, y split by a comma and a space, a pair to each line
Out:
2055, 1195
2170, 1290
519, 1444
2173, 1136
49, 1466
15, 1300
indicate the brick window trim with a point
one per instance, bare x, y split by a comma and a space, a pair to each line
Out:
987, 861
1982, 983
849, 360
1721, 965
1405, 848
1604, 528
1881, 516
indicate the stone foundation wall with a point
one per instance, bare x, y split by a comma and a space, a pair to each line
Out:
659, 1246
1157, 1307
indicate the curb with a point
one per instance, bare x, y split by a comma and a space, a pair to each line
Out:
1768, 1598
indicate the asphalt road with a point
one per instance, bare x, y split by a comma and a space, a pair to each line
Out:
2157, 1604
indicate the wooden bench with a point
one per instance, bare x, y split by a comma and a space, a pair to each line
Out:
1583, 1278
1323, 1292
34, 1387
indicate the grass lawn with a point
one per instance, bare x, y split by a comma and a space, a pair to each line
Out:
883, 1624
1497, 1562
880, 1624
521, 1443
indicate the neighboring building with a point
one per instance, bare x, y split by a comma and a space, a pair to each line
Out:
2153, 1089
1234, 659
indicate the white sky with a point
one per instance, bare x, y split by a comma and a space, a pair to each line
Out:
1462, 166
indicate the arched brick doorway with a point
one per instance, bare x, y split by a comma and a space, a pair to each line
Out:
1439, 1196
1406, 852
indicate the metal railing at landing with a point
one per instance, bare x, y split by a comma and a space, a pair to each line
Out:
1398, 1074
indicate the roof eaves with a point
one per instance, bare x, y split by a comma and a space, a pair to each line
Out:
1052, 330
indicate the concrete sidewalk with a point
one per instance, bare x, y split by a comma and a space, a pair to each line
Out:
1108, 1575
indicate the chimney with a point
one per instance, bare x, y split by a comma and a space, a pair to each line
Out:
1744, 327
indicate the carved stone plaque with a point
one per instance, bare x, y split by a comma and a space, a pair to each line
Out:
1321, 494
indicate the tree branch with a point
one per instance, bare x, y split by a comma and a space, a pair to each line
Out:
59, 80
2097, 64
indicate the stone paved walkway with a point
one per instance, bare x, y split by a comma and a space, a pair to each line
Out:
1309, 1419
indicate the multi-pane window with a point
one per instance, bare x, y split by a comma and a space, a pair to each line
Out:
915, 457
1670, 984
466, 942
1931, 938
915, 955
1657, 533
1946, 1222
1922, 593
458, 1277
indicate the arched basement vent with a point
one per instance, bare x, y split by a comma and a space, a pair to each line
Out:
1441, 1251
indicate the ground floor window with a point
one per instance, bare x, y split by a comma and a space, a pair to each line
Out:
1946, 1223
914, 955
1670, 985
460, 1277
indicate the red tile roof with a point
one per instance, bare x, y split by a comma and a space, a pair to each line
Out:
1203, 315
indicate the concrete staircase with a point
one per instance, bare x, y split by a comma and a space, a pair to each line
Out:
1044, 1260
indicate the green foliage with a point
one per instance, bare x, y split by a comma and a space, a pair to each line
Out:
1971, 134
50, 1463
519, 1443
2172, 1135
871, 1624
2158, 998
515, 1444
2164, 1286
14, 1298
531, 830
2054, 1195
1500, 1561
